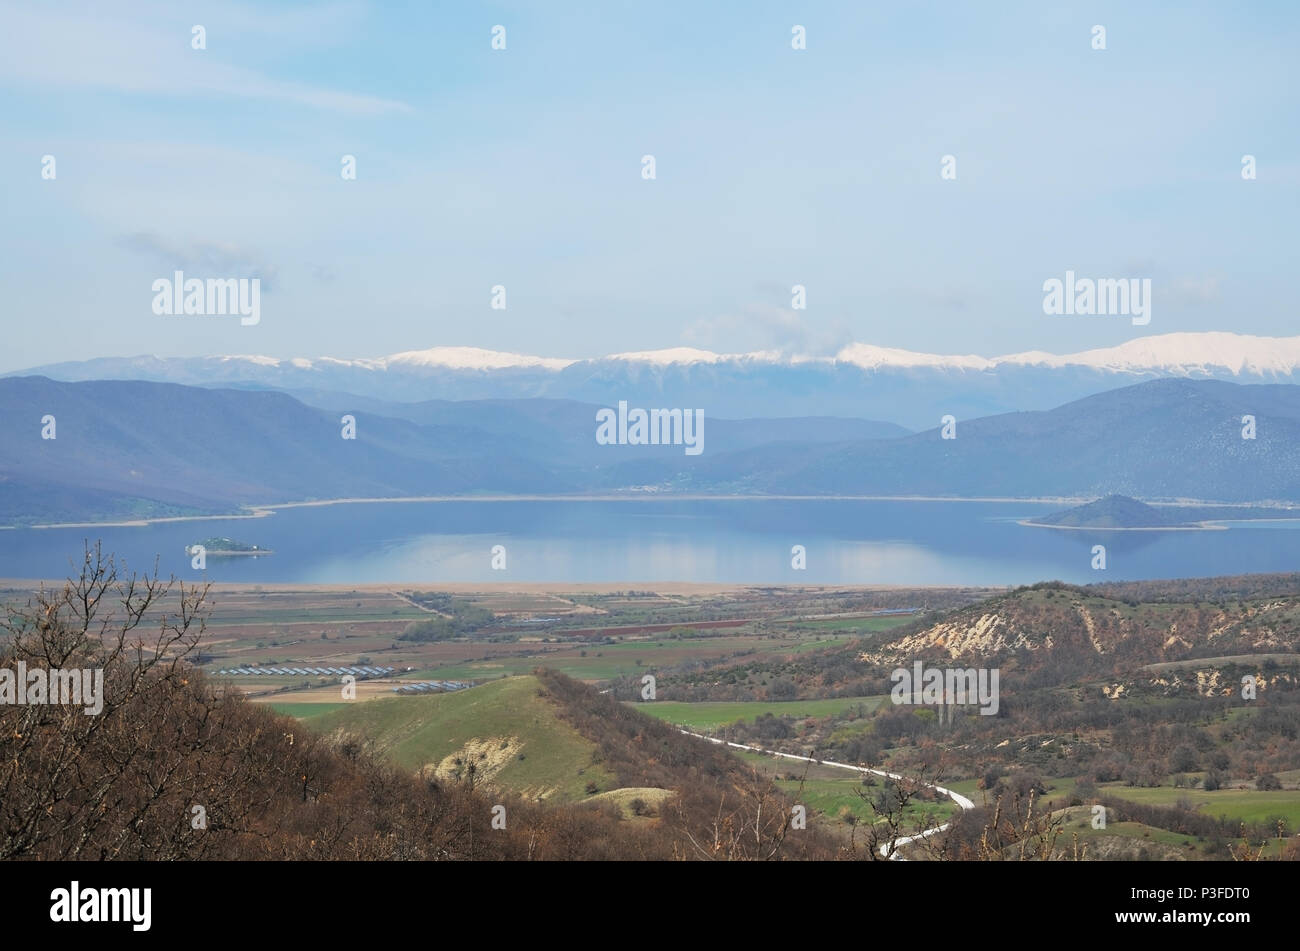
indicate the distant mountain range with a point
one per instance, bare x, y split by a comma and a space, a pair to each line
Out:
131, 448
862, 381
1165, 439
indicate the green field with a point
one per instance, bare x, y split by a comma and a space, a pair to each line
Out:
865, 625
833, 796
821, 643
624, 659
514, 736
652, 796
831, 790
970, 788
1242, 805
1189, 846
711, 714
1099, 843
305, 711
308, 616
589, 669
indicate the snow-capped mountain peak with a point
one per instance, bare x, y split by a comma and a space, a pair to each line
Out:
1181, 354
472, 358
870, 357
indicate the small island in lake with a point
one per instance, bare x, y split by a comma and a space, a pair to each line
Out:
217, 547
1115, 513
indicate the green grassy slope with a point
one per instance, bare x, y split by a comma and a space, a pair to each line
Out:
512, 734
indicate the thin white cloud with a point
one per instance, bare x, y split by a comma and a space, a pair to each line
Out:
92, 50
211, 257
767, 325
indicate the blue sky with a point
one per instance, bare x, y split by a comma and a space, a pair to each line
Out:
522, 167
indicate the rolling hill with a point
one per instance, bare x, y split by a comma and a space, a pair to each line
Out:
1112, 512
548, 737
506, 730
1082, 632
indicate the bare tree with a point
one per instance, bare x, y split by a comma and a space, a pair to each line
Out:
893, 811
752, 823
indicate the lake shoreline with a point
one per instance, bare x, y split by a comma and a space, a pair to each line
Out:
1196, 527
264, 511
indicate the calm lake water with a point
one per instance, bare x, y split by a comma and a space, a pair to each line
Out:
744, 541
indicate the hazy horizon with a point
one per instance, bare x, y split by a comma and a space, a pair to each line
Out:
522, 168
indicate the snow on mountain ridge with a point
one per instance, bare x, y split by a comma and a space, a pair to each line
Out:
1178, 353
871, 358
456, 358
473, 358
1188, 352
692, 355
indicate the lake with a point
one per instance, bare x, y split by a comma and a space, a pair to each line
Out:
731, 541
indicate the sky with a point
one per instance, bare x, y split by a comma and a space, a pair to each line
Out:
522, 167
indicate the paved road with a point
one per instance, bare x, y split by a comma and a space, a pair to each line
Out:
885, 849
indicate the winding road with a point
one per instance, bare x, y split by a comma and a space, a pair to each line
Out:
888, 850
